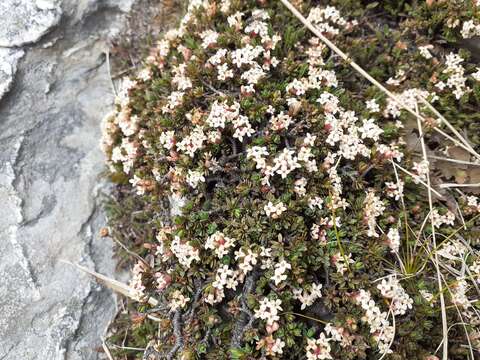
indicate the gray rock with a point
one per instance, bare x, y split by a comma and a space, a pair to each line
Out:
26, 21
8, 67
50, 182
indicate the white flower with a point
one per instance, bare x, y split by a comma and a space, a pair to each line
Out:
219, 57
194, 177
439, 220
225, 6
247, 89
274, 211
370, 130
377, 320
128, 124
393, 237
225, 277
253, 75
394, 190
328, 20
459, 293
221, 113
373, 208
296, 87
285, 163
306, 156
456, 76
268, 310
185, 253
224, 72
470, 29
193, 142
390, 151
235, 20
428, 297
267, 261
163, 47
280, 121
476, 75
473, 202
167, 139
277, 347
390, 288
220, 243
246, 55
335, 333
300, 186
136, 283
180, 79
279, 273
177, 300
209, 38
258, 153
175, 99
315, 202
425, 51
249, 259
242, 128
329, 102
309, 140
372, 105
318, 349
399, 77
452, 250
307, 298
341, 262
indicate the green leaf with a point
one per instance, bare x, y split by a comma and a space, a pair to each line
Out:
236, 354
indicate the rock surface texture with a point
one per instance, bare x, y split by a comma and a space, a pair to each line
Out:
54, 89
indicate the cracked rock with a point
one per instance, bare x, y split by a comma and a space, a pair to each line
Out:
50, 176
26, 21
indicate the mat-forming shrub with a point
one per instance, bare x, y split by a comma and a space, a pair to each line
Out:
299, 224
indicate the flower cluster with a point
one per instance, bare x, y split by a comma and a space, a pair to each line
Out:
194, 178
177, 300
328, 20
455, 73
184, 252
374, 207
447, 219
219, 243
308, 297
136, 284
274, 211
279, 272
470, 29
318, 349
342, 262
249, 260
377, 320
268, 310
393, 239
394, 189
391, 289
224, 278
